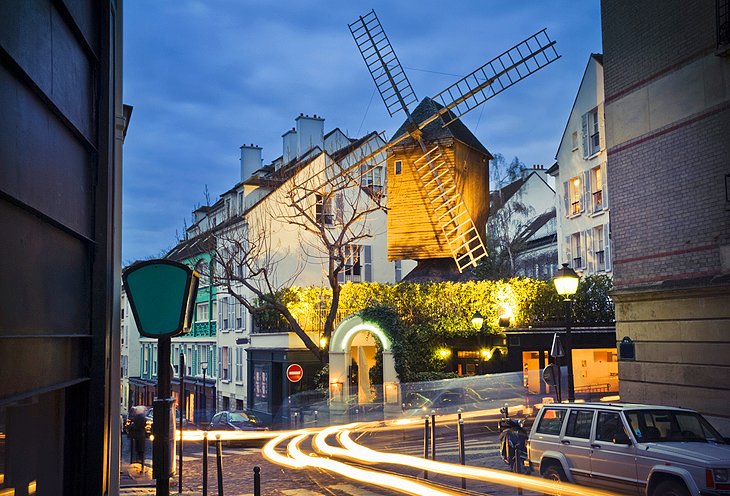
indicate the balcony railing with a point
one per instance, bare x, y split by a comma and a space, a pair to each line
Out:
203, 329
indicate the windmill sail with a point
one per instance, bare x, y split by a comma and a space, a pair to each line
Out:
495, 76
383, 64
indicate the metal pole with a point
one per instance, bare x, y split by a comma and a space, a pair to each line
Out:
161, 422
425, 444
219, 462
433, 435
460, 436
569, 351
182, 414
205, 464
257, 481
205, 397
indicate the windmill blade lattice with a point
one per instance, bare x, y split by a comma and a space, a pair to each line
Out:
495, 76
383, 64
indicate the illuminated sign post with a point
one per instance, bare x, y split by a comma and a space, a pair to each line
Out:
161, 295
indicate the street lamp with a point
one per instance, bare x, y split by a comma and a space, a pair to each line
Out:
566, 284
204, 366
161, 295
477, 320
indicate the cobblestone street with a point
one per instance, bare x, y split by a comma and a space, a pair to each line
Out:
238, 464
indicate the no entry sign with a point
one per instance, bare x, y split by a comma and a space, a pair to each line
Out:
294, 372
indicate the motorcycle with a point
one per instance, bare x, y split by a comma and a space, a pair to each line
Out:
513, 444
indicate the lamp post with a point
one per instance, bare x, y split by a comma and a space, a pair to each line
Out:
204, 366
566, 284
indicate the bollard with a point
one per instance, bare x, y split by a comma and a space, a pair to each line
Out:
296, 415
316, 418
433, 435
131, 450
205, 464
460, 436
219, 462
257, 481
425, 444
518, 462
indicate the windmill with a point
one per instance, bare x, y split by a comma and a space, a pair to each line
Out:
436, 210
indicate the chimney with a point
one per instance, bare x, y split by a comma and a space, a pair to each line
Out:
310, 133
289, 146
250, 160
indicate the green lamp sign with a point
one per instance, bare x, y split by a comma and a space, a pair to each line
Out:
161, 296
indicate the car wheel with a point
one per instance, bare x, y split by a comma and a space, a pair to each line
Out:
670, 488
555, 473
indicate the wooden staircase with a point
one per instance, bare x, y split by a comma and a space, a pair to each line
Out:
451, 213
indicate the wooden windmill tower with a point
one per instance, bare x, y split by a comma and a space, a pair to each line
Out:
438, 172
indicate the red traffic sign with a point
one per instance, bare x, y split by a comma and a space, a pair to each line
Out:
294, 372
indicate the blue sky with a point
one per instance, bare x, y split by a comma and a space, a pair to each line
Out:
205, 77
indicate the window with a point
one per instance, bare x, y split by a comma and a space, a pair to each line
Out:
372, 177
227, 313
597, 189
576, 248
239, 364
575, 140
591, 133
398, 167
608, 426
261, 388
323, 210
579, 424
358, 264
232, 304
598, 248
202, 267
201, 312
240, 321
225, 364
575, 191
551, 421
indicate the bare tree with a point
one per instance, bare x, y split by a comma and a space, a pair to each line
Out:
314, 217
509, 216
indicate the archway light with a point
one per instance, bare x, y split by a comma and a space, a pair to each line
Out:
365, 326
444, 352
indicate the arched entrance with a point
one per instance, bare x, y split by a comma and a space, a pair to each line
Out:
354, 340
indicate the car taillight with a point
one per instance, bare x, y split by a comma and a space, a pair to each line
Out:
709, 478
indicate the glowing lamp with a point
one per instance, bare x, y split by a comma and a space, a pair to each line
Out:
566, 281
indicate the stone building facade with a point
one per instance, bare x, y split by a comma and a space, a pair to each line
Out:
667, 110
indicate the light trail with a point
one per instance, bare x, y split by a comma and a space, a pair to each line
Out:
298, 459
197, 435
356, 452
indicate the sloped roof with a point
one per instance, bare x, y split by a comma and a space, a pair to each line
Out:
188, 248
537, 224
436, 129
498, 198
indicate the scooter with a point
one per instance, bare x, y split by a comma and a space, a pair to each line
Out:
513, 444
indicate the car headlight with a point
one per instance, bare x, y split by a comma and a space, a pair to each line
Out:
720, 474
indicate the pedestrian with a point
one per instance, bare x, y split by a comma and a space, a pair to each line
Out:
137, 434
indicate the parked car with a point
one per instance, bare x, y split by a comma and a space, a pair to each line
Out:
235, 421
639, 449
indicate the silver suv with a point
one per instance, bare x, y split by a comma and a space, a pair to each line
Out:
632, 449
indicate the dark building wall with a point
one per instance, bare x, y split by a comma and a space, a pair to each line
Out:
667, 93
60, 92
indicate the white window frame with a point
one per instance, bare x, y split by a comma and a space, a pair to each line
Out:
591, 132
239, 364
574, 192
597, 194
324, 213
599, 245
201, 312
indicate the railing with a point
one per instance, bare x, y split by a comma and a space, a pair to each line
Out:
575, 207
203, 329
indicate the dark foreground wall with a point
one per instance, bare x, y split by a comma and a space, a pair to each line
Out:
60, 90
